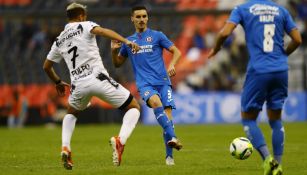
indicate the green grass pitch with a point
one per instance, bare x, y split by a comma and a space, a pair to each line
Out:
36, 150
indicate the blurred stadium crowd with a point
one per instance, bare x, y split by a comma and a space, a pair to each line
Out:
28, 28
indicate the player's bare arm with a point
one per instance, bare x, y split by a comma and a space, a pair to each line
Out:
296, 41
115, 36
176, 56
221, 37
117, 59
60, 85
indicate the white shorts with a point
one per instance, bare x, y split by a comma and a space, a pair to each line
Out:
81, 94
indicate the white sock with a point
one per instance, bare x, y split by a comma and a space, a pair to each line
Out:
129, 121
68, 127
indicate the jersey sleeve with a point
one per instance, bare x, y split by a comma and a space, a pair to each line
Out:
235, 16
123, 51
164, 41
89, 25
54, 54
289, 23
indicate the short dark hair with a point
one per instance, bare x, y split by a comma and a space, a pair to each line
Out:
74, 13
139, 7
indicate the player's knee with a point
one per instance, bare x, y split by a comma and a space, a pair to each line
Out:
155, 105
134, 104
274, 114
154, 101
71, 110
250, 115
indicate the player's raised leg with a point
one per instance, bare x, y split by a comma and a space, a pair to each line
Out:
155, 102
130, 120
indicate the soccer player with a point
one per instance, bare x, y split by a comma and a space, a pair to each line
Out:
152, 79
78, 47
265, 23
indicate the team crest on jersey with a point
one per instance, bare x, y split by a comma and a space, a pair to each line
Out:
149, 39
146, 93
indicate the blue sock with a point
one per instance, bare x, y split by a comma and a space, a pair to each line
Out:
255, 135
278, 138
164, 122
169, 150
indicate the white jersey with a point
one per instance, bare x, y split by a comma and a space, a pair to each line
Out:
78, 46
79, 49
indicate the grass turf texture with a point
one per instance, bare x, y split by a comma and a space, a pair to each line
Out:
36, 150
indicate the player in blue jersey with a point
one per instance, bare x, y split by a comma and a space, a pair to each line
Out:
152, 79
265, 23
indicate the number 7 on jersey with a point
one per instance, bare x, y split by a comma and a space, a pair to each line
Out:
74, 55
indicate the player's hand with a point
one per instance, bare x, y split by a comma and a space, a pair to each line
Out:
171, 70
212, 53
60, 88
115, 44
134, 47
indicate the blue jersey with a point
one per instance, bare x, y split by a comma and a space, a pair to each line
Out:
148, 64
265, 24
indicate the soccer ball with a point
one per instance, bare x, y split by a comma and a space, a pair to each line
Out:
241, 148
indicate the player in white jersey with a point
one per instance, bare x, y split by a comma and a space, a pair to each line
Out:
78, 47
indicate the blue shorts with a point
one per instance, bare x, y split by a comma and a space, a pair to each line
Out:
269, 87
165, 93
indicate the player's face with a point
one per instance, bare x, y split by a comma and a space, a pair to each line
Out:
140, 19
